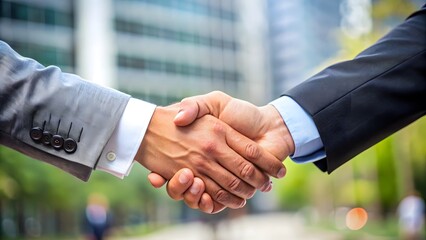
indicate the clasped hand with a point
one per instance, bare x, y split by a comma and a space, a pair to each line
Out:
215, 150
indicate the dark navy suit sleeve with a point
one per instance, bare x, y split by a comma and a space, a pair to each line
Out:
357, 103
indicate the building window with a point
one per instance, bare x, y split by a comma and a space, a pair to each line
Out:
176, 68
36, 14
173, 35
193, 7
161, 100
45, 55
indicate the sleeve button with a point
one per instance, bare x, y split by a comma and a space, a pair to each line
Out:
70, 145
47, 137
36, 134
57, 142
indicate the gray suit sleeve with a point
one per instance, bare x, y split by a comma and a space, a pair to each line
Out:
357, 103
80, 115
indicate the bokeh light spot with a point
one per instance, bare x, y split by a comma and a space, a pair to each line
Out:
356, 218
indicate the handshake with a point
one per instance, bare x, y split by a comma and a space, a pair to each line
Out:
231, 147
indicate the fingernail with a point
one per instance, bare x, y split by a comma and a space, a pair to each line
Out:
195, 188
269, 187
281, 173
243, 204
178, 115
265, 186
184, 178
251, 195
204, 204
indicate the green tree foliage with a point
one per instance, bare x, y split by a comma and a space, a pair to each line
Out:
30, 188
384, 10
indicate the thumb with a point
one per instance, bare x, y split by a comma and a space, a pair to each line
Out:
196, 107
190, 110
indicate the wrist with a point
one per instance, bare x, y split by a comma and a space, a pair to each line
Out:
159, 118
275, 124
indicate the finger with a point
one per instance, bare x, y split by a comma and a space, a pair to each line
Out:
228, 165
243, 170
207, 204
222, 196
222, 170
196, 198
256, 155
156, 180
235, 161
267, 187
195, 107
192, 196
179, 183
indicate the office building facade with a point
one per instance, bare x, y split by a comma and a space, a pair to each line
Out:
159, 51
302, 34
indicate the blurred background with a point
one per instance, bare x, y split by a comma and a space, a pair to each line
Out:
164, 50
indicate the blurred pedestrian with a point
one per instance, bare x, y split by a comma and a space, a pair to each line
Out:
97, 216
411, 216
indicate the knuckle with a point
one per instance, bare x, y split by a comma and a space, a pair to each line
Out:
222, 196
197, 161
201, 165
209, 146
217, 94
247, 171
235, 185
185, 100
252, 151
218, 128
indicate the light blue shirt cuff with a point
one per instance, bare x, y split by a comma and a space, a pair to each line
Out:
307, 141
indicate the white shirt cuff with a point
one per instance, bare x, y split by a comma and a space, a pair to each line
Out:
307, 141
119, 152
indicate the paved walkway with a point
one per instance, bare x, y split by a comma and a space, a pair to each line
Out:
256, 227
